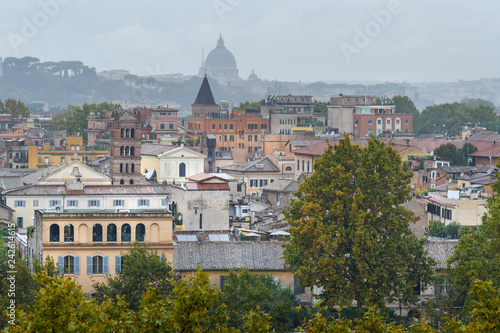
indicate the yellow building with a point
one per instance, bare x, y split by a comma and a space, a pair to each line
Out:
45, 156
88, 244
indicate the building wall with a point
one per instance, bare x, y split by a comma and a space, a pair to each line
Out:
377, 123
340, 119
209, 207
41, 158
282, 122
43, 201
158, 236
149, 162
170, 167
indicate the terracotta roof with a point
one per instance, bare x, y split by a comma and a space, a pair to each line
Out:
464, 169
486, 149
229, 255
91, 189
485, 137
315, 149
192, 186
205, 96
303, 143
430, 145
260, 165
441, 202
200, 177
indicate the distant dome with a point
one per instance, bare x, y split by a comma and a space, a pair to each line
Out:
253, 76
220, 63
220, 57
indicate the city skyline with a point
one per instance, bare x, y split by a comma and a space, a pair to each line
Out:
395, 40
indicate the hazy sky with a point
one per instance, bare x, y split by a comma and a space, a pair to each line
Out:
368, 40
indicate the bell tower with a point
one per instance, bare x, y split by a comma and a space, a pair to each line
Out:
125, 148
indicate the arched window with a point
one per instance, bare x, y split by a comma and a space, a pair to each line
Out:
122, 151
182, 170
140, 233
127, 133
97, 233
69, 233
69, 265
126, 233
97, 265
126, 167
132, 150
54, 233
121, 167
127, 151
132, 133
111, 233
288, 168
122, 182
122, 133
131, 182
132, 168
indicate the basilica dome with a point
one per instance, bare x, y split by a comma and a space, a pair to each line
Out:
220, 64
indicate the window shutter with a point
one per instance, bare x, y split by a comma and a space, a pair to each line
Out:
61, 265
89, 265
77, 265
105, 265
118, 264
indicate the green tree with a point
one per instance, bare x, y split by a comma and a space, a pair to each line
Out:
321, 107
243, 291
350, 231
16, 108
141, 268
250, 106
74, 118
449, 152
477, 101
437, 229
452, 229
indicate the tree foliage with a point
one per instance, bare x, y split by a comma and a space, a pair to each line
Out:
15, 108
74, 118
321, 107
457, 157
243, 291
449, 118
250, 106
141, 268
350, 231
60, 306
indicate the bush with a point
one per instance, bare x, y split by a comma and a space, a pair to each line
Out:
452, 229
437, 229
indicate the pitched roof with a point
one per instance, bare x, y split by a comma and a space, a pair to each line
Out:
485, 137
9, 182
155, 149
201, 177
314, 149
493, 150
282, 185
229, 255
91, 190
440, 250
465, 169
260, 165
192, 186
205, 96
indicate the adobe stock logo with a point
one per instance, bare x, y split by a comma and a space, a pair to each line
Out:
30, 27
363, 37
223, 6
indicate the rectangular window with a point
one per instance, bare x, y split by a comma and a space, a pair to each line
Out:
379, 121
249, 149
253, 183
213, 126
20, 203
230, 126
170, 126
162, 126
231, 138
369, 122
255, 138
263, 126
249, 138
72, 203
93, 203
220, 126
406, 121
20, 222
118, 203
35, 203
53, 203
225, 138
143, 202
369, 132
164, 202
225, 126
263, 182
